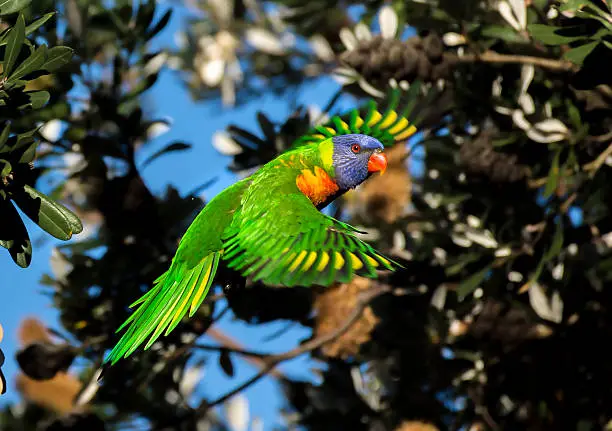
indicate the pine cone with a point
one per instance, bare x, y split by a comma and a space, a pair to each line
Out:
379, 60
506, 323
333, 306
480, 158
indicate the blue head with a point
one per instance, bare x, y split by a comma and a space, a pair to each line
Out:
355, 158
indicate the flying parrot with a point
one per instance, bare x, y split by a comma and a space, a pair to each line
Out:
268, 226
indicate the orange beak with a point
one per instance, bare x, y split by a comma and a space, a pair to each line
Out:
377, 163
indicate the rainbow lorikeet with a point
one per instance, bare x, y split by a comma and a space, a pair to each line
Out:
268, 226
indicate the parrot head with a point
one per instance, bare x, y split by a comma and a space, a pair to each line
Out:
356, 157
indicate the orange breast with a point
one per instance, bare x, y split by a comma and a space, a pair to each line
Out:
317, 186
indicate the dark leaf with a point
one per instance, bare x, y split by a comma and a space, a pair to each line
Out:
5, 134
225, 361
14, 236
470, 284
159, 26
553, 176
266, 126
14, 43
176, 146
557, 242
43, 360
28, 153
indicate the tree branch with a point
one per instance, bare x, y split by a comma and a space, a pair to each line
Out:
496, 58
273, 360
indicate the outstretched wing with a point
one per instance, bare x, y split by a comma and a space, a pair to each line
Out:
289, 242
396, 122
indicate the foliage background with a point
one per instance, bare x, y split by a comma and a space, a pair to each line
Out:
500, 320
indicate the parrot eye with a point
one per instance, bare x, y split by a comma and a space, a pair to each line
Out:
355, 148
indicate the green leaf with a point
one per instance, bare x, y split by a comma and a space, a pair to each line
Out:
57, 57
470, 284
30, 64
552, 35
577, 55
572, 5
500, 142
8, 7
36, 24
557, 242
38, 99
176, 146
75, 223
553, 176
14, 43
461, 262
29, 29
29, 153
574, 114
42, 211
5, 134
5, 168
13, 235
502, 32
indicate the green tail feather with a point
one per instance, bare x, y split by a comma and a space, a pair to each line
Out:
161, 309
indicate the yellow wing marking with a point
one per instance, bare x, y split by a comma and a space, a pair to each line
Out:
358, 122
372, 261
401, 125
375, 118
406, 134
324, 260
310, 260
298, 260
196, 299
357, 264
383, 259
389, 119
339, 263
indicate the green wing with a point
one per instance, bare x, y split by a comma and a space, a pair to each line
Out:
396, 122
184, 286
287, 241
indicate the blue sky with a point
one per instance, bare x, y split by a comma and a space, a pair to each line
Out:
194, 123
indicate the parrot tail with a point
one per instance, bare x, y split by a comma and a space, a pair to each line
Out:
165, 304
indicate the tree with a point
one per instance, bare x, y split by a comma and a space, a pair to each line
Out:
500, 319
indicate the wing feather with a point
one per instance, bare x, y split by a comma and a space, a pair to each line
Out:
291, 243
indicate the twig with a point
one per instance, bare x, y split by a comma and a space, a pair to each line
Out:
273, 360
600, 138
230, 345
494, 57
600, 160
